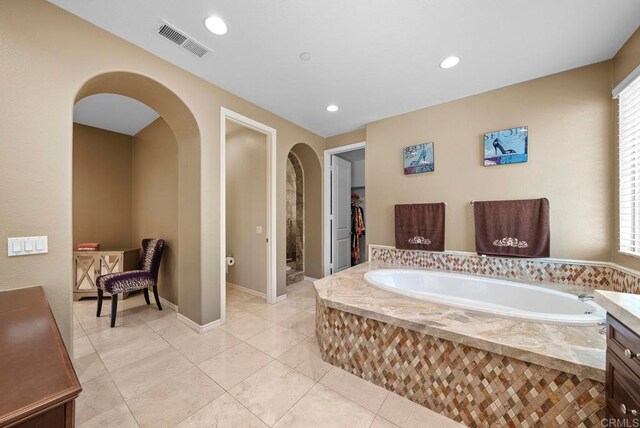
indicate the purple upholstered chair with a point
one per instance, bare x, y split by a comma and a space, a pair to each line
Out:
143, 279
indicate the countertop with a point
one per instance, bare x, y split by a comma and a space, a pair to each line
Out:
579, 350
624, 307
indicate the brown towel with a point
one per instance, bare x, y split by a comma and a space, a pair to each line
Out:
420, 227
512, 228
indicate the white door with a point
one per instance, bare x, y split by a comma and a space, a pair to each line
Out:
341, 214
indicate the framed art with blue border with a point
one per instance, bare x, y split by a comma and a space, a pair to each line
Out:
506, 146
418, 158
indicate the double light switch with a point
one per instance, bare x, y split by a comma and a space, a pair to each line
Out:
27, 246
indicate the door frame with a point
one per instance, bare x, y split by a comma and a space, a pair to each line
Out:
326, 225
271, 134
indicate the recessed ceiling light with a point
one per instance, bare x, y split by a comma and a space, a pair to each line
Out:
305, 56
216, 25
332, 108
450, 62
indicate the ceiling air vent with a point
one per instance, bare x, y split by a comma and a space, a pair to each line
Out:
183, 40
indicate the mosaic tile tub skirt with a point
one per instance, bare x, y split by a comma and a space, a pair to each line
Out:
474, 387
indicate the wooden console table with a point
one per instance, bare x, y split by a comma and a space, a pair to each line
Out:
38, 384
89, 265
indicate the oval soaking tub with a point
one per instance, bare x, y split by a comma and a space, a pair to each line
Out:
489, 295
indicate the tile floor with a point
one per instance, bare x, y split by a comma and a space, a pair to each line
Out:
261, 369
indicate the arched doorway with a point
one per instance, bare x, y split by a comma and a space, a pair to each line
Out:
182, 124
304, 203
295, 219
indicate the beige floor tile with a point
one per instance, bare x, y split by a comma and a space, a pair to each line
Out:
247, 326
159, 320
272, 391
89, 367
234, 314
311, 310
305, 358
82, 347
380, 422
364, 393
92, 324
235, 365
97, 396
224, 411
177, 332
174, 400
139, 376
302, 322
324, 408
300, 302
408, 414
113, 337
276, 340
118, 417
134, 350
275, 313
78, 331
204, 346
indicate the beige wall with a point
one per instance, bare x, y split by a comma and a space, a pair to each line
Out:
47, 55
312, 210
101, 187
155, 199
568, 115
624, 62
347, 138
246, 194
627, 58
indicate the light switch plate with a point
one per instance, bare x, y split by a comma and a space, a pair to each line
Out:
258, 230
28, 245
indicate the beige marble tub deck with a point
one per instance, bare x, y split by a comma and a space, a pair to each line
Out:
572, 349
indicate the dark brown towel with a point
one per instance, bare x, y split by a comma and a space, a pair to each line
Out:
512, 228
420, 227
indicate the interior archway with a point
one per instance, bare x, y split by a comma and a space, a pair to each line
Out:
295, 219
310, 208
182, 123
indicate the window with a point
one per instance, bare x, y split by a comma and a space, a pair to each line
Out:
629, 168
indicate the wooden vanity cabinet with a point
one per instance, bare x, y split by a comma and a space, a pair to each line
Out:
38, 384
623, 372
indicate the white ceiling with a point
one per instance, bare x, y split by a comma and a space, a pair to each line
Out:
373, 58
114, 112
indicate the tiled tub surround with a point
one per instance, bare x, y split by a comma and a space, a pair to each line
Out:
589, 274
475, 368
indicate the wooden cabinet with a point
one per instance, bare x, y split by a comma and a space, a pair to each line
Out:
38, 385
623, 372
89, 265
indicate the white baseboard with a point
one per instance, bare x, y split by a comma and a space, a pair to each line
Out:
168, 304
247, 290
308, 278
281, 298
197, 327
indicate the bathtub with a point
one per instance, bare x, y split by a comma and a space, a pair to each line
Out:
493, 296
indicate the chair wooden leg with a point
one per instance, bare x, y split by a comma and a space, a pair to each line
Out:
114, 309
155, 294
99, 302
146, 295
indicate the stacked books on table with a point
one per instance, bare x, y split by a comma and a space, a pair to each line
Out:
88, 246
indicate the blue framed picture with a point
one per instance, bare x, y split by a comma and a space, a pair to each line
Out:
418, 158
506, 146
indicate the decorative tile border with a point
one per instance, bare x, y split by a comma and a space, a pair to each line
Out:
475, 387
585, 274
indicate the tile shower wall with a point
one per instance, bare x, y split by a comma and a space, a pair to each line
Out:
588, 275
472, 386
